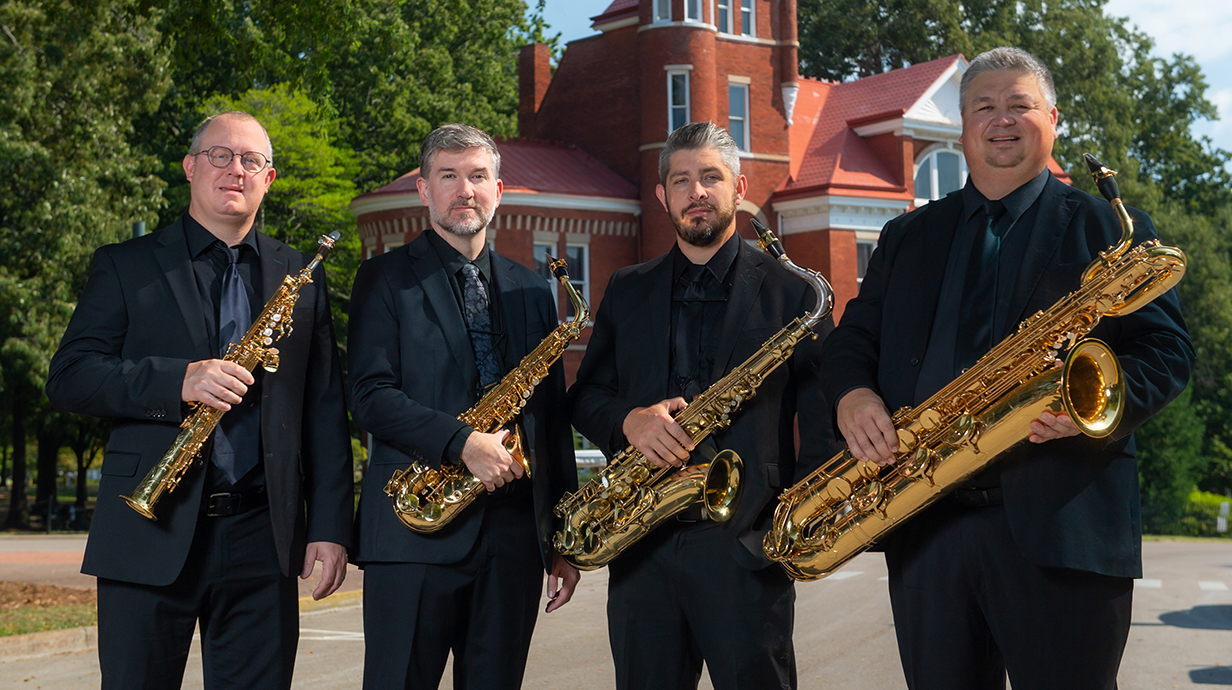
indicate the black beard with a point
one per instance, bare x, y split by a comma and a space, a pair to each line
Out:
705, 232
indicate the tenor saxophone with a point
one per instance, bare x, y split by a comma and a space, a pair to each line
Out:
255, 348
846, 505
424, 499
631, 496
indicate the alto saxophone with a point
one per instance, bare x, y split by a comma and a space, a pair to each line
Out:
425, 500
846, 505
273, 324
631, 496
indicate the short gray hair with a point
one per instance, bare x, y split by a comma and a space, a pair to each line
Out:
195, 146
700, 135
1005, 59
454, 138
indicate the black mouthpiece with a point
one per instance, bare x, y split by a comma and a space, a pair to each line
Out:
1104, 178
767, 240
558, 267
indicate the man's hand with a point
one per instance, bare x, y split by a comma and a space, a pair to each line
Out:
333, 558
215, 382
561, 582
485, 456
1050, 426
864, 421
653, 432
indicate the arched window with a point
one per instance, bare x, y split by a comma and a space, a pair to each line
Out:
938, 173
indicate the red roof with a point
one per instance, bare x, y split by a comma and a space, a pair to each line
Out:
617, 10
828, 152
540, 167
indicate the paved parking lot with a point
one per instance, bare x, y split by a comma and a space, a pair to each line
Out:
1181, 635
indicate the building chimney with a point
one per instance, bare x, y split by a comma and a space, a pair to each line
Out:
534, 75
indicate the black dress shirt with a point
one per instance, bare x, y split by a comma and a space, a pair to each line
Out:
718, 275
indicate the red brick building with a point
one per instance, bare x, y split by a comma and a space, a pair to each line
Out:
827, 163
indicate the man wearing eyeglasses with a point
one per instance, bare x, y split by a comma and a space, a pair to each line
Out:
271, 493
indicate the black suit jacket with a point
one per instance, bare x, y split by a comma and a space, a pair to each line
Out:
626, 366
413, 372
137, 326
1071, 502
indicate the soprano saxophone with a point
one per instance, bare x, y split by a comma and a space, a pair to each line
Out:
631, 496
424, 499
846, 505
255, 348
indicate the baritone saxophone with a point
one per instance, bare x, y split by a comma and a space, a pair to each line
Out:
631, 496
255, 348
846, 505
425, 499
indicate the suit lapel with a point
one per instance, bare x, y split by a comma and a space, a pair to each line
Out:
1051, 222
748, 280
513, 306
176, 264
273, 266
652, 336
430, 273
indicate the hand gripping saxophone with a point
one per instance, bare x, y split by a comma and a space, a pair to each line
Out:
846, 505
631, 496
425, 500
273, 324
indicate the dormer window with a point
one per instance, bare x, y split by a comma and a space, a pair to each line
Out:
938, 173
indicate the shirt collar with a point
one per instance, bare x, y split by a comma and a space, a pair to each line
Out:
1016, 202
718, 264
453, 260
201, 240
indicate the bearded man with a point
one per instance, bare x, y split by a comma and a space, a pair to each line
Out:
696, 590
433, 325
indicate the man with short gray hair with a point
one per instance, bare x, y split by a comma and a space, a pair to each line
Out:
435, 324
694, 590
1027, 567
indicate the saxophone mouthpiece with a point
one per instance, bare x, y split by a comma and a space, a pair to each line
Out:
558, 267
767, 240
1104, 178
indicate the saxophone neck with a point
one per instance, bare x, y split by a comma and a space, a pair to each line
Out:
825, 294
1105, 180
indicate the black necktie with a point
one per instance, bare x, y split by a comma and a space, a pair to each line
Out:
235, 442
479, 323
979, 299
686, 350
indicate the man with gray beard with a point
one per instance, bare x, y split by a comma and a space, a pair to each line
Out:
695, 590
435, 324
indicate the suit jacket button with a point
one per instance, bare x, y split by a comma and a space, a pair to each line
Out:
915, 361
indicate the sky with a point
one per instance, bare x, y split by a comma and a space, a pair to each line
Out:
1196, 27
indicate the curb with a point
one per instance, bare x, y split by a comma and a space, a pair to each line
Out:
32, 645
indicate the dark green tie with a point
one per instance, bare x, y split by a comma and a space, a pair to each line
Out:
979, 298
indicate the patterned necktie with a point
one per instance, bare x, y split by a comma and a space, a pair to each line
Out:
975, 331
235, 441
479, 323
686, 351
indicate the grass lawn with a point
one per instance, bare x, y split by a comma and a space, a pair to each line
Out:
27, 608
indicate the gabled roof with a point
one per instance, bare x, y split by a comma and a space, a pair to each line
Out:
826, 150
539, 167
619, 9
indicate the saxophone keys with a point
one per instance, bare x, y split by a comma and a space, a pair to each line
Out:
868, 498
919, 466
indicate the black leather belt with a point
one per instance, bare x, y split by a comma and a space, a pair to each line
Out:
977, 498
227, 504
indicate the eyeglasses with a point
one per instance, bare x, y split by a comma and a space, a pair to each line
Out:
220, 157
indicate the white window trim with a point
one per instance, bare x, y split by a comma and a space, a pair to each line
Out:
930, 154
752, 18
724, 29
662, 4
735, 15
860, 278
701, 11
747, 145
585, 291
688, 104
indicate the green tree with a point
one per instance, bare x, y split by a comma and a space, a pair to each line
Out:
75, 74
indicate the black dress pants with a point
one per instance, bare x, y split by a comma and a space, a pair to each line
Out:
678, 598
233, 587
968, 608
483, 609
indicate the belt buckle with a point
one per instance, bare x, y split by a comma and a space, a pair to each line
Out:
223, 504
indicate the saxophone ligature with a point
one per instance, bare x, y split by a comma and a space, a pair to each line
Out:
846, 505
255, 348
426, 499
631, 496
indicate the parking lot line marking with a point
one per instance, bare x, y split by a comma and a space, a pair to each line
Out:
1213, 586
845, 574
313, 634
1149, 584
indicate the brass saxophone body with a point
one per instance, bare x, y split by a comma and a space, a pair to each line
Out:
425, 499
631, 496
255, 348
846, 505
